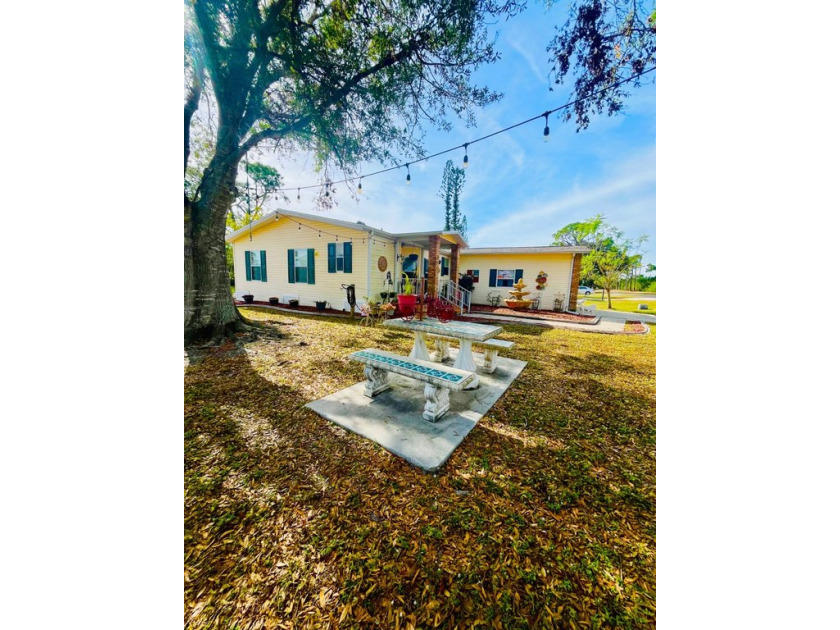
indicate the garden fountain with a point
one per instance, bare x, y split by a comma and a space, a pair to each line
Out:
517, 302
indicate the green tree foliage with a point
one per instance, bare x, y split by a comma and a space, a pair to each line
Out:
450, 192
611, 255
581, 233
260, 182
347, 80
602, 43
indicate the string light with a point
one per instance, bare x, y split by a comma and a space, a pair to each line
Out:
300, 225
635, 77
546, 131
407, 176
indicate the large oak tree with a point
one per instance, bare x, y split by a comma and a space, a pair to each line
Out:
347, 80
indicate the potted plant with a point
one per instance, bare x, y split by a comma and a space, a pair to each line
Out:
249, 299
274, 301
406, 299
321, 305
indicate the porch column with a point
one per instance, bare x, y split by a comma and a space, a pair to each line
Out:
434, 265
573, 290
453, 263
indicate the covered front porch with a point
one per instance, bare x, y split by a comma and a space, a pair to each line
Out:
432, 256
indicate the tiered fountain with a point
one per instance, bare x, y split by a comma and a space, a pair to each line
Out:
517, 302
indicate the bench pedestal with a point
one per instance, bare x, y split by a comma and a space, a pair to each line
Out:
491, 356
377, 381
441, 350
465, 361
419, 350
437, 402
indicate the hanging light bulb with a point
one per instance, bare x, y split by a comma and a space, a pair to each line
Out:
298, 195
336, 238
359, 189
546, 131
466, 157
319, 233
276, 216
298, 225
407, 176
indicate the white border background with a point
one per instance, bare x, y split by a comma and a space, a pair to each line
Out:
747, 208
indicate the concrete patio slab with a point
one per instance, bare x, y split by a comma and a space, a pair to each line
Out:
394, 418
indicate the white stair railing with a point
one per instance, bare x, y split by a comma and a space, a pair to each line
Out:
456, 295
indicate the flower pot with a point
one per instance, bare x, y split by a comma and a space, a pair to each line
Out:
293, 303
249, 299
321, 305
274, 301
406, 303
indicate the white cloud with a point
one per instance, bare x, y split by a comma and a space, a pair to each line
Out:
625, 193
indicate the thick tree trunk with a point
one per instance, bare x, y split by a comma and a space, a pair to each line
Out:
209, 311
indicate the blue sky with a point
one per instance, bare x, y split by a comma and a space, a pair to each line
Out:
518, 190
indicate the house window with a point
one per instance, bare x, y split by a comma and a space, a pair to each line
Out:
301, 268
340, 257
256, 268
504, 277
444, 266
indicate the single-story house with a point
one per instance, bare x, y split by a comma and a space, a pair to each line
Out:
309, 257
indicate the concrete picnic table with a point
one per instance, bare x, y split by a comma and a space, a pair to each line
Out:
465, 332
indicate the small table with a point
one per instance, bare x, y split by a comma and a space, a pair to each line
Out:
465, 332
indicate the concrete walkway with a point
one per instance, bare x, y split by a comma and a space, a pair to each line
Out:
606, 325
636, 317
611, 322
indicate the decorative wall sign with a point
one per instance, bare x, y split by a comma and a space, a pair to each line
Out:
542, 278
382, 264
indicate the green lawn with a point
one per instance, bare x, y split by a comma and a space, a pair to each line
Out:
544, 517
622, 303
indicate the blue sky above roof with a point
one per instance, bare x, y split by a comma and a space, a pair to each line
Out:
519, 190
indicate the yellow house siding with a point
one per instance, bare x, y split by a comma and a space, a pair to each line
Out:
380, 247
277, 237
556, 266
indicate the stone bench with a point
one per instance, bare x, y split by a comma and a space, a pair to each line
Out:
491, 349
439, 379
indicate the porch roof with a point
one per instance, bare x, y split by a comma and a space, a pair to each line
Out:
421, 239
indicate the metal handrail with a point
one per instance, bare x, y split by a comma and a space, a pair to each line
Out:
456, 295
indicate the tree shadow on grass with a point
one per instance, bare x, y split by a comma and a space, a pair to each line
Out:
281, 505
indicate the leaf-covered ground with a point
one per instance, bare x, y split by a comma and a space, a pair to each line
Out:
544, 517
